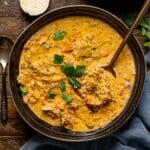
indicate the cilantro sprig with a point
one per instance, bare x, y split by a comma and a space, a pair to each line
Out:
72, 73
24, 90
129, 19
51, 94
79, 71
70, 70
66, 97
75, 83
143, 24
62, 86
58, 59
59, 35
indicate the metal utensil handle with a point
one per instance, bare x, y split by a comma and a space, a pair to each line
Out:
4, 114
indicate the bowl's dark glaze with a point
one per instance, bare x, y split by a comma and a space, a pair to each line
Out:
58, 132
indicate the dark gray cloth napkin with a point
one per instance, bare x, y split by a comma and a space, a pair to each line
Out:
134, 135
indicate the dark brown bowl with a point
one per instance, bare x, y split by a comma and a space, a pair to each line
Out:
59, 132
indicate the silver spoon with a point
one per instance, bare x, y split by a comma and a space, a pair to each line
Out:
5, 47
143, 10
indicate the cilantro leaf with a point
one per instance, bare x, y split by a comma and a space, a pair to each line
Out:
147, 44
68, 69
58, 59
59, 35
79, 71
129, 19
143, 31
75, 83
147, 35
24, 90
62, 86
68, 98
144, 23
51, 94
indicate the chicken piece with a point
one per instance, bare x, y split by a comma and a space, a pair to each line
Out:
106, 102
66, 119
30, 98
96, 104
23, 78
74, 106
64, 122
54, 78
93, 103
52, 110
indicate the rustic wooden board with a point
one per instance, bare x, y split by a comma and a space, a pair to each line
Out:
11, 142
12, 22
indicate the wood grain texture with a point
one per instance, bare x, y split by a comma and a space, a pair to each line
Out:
11, 143
12, 22
58, 3
10, 8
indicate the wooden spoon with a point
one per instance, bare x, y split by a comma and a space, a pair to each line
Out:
110, 66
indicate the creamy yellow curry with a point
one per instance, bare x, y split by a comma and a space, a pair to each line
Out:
61, 78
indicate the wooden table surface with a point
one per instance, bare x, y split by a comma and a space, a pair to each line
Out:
12, 22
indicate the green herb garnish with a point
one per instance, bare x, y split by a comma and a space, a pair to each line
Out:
144, 27
66, 97
24, 90
144, 23
59, 35
129, 19
145, 33
46, 46
147, 44
62, 86
58, 59
68, 69
75, 83
52, 95
79, 71
147, 36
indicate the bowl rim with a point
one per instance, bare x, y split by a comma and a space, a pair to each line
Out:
111, 127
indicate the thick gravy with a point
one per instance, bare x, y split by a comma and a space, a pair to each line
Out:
61, 79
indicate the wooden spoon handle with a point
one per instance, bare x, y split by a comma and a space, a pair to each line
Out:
143, 10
